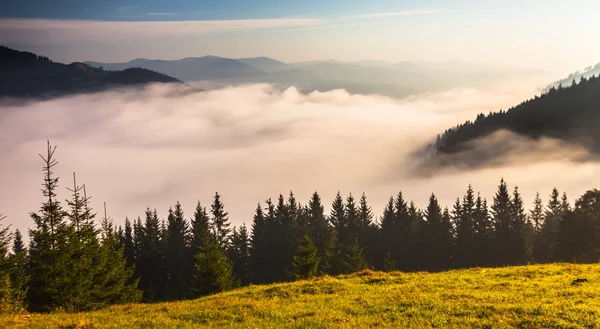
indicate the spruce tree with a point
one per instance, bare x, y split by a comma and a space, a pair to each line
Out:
334, 262
9, 301
200, 229
18, 269
483, 233
128, 243
436, 238
177, 260
465, 231
502, 214
547, 237
387, 234
259, 248
579, 231
319, 228
220, 221
353, 258
306, 261
521, 230
49, 253
367, 234
388, 263
213, 271
239, 254
537, 221
337, 217
150, 263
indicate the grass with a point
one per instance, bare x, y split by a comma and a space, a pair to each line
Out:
536, 296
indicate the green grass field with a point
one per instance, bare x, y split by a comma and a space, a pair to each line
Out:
538, 296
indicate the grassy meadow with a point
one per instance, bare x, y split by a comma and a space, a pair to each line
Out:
536, 296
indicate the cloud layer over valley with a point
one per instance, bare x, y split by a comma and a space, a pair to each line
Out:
152, 147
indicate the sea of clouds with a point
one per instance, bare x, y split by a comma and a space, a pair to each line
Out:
151, 147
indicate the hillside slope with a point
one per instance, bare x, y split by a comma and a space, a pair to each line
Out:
537, 296
23, 74
569, 114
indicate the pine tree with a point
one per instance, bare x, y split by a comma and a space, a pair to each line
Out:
213, 271
220, 221
306, 262
178, 265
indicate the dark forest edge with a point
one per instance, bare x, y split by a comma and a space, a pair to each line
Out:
568, 114
72, 265
27, 75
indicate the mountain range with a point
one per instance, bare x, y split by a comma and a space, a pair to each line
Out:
24, 74
364, 77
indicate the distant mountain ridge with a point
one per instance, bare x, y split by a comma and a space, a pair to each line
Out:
362, 77
24, 74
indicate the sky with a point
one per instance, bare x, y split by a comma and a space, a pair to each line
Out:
554, 35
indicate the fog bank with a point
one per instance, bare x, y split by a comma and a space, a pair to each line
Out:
150, 148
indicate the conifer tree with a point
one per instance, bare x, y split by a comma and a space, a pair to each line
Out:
239, 254
200, 229
220, 221
213, 271
9, 301
353, 258
306, 261
337, 217
334, 262
537, 217
502, 214
579, 230
18, 269
128, 244
465, 231
483, 233
436, 238
387, 233
177, 260
150, 263
521, 230
405, 237
49, 254
259, 248
546, 241
319, 228
388, 263
367, 235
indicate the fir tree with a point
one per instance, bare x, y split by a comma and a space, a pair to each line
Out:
388, 263
521, 230
306, 262
128, 243
18, 270
546, 240
200, 229
9, 296
353, 258
502, 214
367, 234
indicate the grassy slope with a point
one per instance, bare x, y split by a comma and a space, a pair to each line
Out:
540, 296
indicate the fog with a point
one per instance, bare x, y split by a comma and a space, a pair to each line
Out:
152, 147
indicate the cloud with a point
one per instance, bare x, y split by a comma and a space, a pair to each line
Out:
154, 146
394, 14
67, 32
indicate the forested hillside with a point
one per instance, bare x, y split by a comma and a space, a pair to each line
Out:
570, 114
24, 74
75, 262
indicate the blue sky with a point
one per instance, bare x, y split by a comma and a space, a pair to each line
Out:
124, 10
558, 35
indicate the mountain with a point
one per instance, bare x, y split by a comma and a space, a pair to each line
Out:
531, 296
266, 64
190, 68
570, 114
24, 74
588, 72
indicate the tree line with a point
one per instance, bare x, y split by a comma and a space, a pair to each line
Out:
73, 264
